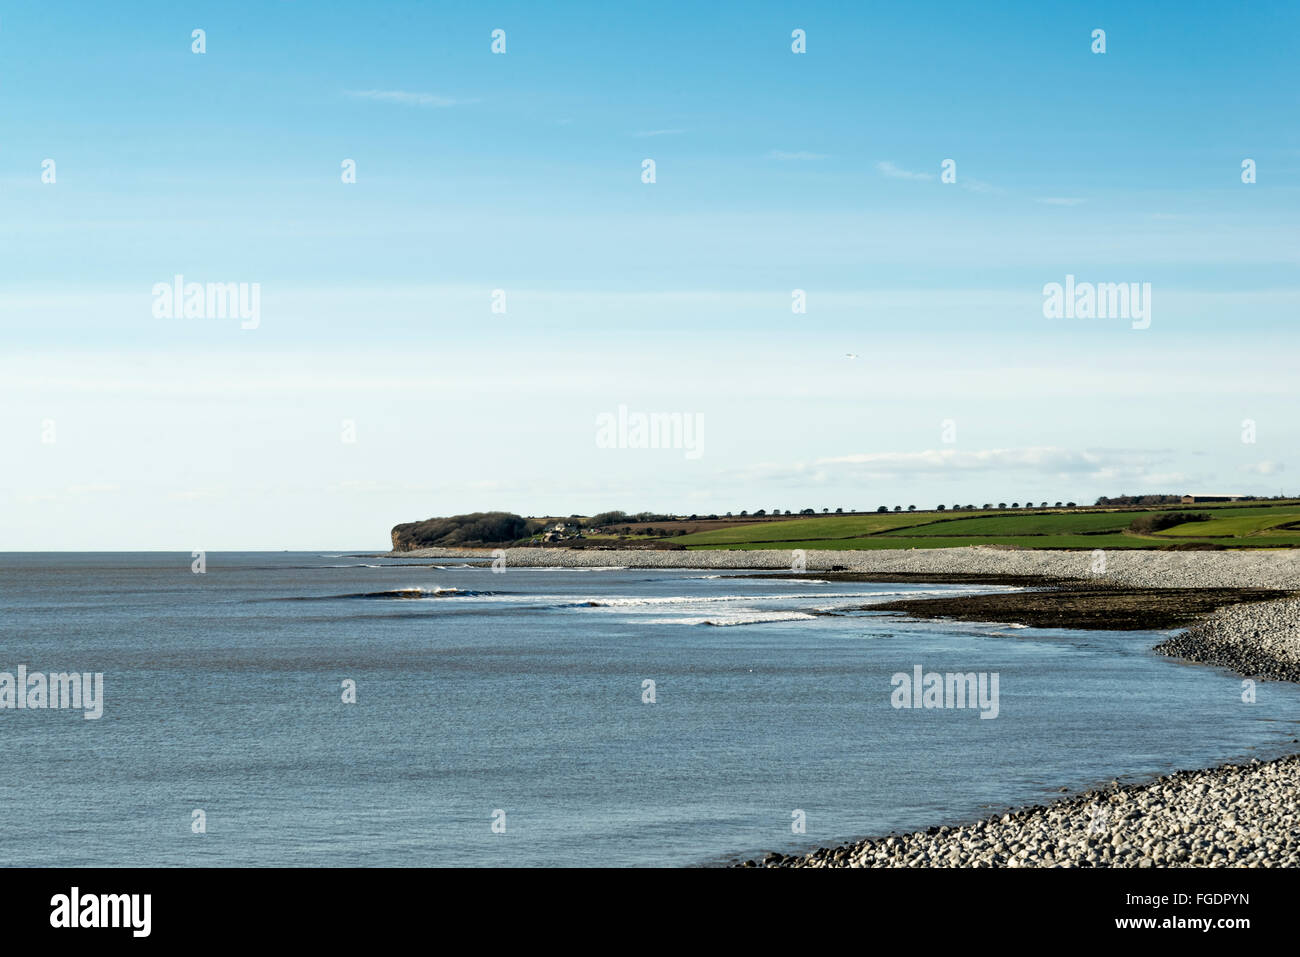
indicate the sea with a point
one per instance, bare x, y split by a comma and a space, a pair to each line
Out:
342, 709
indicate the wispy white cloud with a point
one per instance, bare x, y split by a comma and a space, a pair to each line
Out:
798, 155
407, 98
67, 493
195, 494
897, 172
1060, 200
1267, 467
894, 171
1103, 465
1048, 458
644, 133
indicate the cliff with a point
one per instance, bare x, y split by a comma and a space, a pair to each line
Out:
474, 529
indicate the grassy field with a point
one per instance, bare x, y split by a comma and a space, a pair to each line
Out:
1248, 524
934, 541
1058, 523
1236, 526
829, 527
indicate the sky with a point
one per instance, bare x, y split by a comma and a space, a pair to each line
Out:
445, 333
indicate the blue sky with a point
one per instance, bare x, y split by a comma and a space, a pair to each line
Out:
522, 172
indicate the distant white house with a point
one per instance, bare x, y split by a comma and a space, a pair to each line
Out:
1194, 498
562, 530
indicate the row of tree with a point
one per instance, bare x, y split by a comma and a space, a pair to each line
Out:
986, 505
1171, 499
615, 518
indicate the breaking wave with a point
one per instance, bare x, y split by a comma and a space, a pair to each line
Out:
743, 618
409, 594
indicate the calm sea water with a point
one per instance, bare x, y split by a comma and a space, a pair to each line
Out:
523, 692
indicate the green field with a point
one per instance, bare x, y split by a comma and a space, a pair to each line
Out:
829, 527
1243, 525
1246, 526
1057, 523
933, 541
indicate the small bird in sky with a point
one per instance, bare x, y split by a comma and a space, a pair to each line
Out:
850, 355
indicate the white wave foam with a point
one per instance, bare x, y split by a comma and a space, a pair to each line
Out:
603, 602
743, 618
439, 592
564, 568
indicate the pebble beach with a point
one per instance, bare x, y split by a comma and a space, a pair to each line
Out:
1129, 567
1232, 816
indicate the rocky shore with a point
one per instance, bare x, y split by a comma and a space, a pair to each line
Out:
1258, 640
1137, 568
1231, 816
1080, 605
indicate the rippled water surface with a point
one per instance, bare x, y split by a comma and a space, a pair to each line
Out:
522, 692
